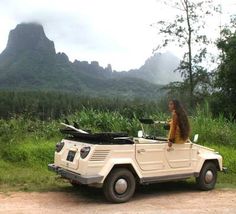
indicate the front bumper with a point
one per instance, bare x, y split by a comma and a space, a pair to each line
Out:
89, 179
225, 169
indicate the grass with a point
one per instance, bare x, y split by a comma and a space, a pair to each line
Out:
25, 178
27, 146
23, 166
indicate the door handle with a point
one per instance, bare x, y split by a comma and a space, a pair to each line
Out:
170, 149
141, 151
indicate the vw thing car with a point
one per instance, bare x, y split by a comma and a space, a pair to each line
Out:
118, 163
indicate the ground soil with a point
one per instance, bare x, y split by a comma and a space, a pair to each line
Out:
177, 199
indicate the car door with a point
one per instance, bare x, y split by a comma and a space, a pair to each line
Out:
150, 156
179, 156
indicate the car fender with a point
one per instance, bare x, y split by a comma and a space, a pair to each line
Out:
116, 162
209, 157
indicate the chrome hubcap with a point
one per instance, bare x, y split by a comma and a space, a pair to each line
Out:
121, 186
209, 176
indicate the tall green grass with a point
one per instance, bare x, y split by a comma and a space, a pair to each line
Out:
219, 131
27, 146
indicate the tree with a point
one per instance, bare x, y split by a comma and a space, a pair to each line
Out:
187, 31
226, 72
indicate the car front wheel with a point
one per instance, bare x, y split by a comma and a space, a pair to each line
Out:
119, 186
207, 177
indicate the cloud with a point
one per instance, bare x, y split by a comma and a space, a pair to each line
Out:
110, 31
102, 28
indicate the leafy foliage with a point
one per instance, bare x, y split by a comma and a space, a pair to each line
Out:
225, 98
52, 105
187, 31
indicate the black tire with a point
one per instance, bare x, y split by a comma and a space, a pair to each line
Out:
205, 182
111, 182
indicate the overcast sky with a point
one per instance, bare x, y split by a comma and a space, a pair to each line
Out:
109, 31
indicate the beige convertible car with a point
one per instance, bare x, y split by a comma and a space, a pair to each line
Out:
118, 163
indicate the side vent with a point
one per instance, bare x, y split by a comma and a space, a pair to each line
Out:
99, 155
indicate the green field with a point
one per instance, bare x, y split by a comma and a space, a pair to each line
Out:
27, 145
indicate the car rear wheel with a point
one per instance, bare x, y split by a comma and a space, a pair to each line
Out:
207, 177
119, 186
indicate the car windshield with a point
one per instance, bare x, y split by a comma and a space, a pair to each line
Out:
154, 130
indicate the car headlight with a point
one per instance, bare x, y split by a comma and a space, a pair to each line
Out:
84, 152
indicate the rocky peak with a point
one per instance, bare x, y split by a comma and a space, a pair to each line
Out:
29, 37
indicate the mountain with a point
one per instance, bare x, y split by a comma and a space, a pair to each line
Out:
29, 62
158, 69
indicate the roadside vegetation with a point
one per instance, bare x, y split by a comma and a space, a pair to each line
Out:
27, 145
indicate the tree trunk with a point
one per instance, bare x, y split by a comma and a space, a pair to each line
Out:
189, 53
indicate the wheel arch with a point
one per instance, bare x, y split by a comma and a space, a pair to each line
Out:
128, 166
212, 157
215, 161
120, 163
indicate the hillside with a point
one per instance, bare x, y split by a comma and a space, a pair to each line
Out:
29, 62
158, 69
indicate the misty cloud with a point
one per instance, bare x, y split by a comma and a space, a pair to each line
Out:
116, 32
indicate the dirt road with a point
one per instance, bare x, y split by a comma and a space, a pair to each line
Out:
149, 200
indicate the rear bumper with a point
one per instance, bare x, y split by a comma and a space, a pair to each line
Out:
75, 176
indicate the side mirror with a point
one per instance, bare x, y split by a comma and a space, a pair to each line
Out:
140, 133
195, 139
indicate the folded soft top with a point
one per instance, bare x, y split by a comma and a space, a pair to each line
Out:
102, 137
